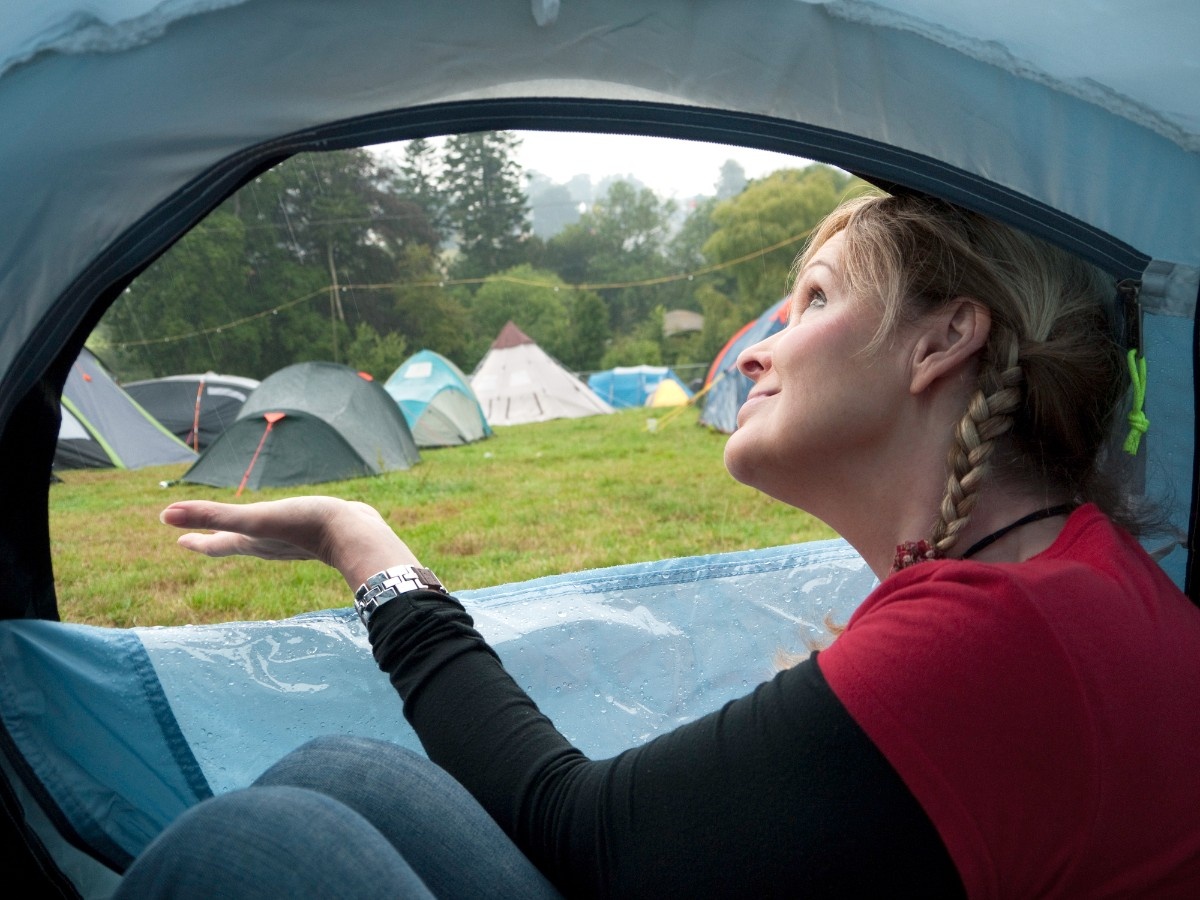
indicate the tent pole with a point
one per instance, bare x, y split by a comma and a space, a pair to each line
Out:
1192, 578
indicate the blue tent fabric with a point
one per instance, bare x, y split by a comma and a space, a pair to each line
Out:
1082, 127
727, 387
90, 717
437, 401
627, 387
124, 729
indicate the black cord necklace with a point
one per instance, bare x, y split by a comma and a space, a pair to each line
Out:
1061, 509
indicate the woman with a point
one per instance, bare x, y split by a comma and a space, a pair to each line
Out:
1014, 711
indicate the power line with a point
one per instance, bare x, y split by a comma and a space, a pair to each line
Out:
449, 282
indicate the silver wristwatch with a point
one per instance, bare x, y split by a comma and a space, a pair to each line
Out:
390, 584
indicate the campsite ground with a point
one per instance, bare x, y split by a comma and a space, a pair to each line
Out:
533, 500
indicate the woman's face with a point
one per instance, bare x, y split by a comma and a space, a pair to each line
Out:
822, 411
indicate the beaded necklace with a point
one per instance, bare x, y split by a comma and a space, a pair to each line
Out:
912, 552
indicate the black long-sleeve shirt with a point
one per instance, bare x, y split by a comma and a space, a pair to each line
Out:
778, 793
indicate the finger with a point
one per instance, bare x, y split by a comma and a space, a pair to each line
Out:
192, 514
275, 519
225, 543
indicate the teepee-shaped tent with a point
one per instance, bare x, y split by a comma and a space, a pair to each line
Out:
103, 427
517, 382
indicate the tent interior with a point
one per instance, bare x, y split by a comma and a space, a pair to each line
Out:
109, 733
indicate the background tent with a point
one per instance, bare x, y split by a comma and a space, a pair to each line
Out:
309, 423
725, 387
670, 392
628, 386
517, 382
103, 427
1082, 127
437, 401
195, 408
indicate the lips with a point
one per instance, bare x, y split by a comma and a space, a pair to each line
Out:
752, 400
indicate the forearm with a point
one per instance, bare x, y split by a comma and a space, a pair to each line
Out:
777, 793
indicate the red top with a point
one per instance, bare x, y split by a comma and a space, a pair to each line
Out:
1046, 714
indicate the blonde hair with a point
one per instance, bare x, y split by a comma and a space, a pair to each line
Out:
1051, 374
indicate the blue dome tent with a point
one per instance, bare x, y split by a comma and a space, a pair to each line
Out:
628, 387
725, 387
1082, 127
437, 401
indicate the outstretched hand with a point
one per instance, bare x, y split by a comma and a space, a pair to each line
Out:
351, 537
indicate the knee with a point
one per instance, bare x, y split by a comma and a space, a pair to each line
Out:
331, 758
263, 842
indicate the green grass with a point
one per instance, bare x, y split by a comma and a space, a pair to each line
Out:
533, 500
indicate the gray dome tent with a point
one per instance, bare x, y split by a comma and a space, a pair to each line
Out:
104, 427
309, 423
195, 408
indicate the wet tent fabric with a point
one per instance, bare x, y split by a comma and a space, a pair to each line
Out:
195, 408
202, 710
518, 382
626, 387
306, 424
437, 401
998, 107
725, 387
103, 427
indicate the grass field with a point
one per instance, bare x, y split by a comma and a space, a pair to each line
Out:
533, 500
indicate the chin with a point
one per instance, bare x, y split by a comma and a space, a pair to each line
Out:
736, 464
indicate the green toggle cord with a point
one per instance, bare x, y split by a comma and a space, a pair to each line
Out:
1138, 423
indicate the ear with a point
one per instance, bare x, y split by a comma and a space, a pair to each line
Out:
949, 339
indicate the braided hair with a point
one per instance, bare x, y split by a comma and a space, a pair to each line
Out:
1051, 375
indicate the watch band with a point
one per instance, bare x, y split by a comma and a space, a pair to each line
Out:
390, 584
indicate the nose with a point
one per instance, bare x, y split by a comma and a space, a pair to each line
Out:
755, 360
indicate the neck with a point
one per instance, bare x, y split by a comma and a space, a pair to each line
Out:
877, 533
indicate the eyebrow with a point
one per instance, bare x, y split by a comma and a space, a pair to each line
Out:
819, 262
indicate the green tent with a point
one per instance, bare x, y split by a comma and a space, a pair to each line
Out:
309, 423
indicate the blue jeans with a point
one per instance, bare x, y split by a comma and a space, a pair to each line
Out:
338, 817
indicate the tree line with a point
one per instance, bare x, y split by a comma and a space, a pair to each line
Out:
350, 257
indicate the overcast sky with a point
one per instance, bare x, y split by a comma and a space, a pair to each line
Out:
672, 168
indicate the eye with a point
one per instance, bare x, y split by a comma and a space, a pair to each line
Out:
807, 297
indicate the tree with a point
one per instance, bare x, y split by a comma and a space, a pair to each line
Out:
418, 181
620, 238
270, 277
589, 331
779, 209
486, 205
377, 354
534, 300
732, 181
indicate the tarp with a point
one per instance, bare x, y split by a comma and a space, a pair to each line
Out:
309, 423
437, 401
126, 728
195, 408
725, 387
626, 387
103, 427
518, 382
